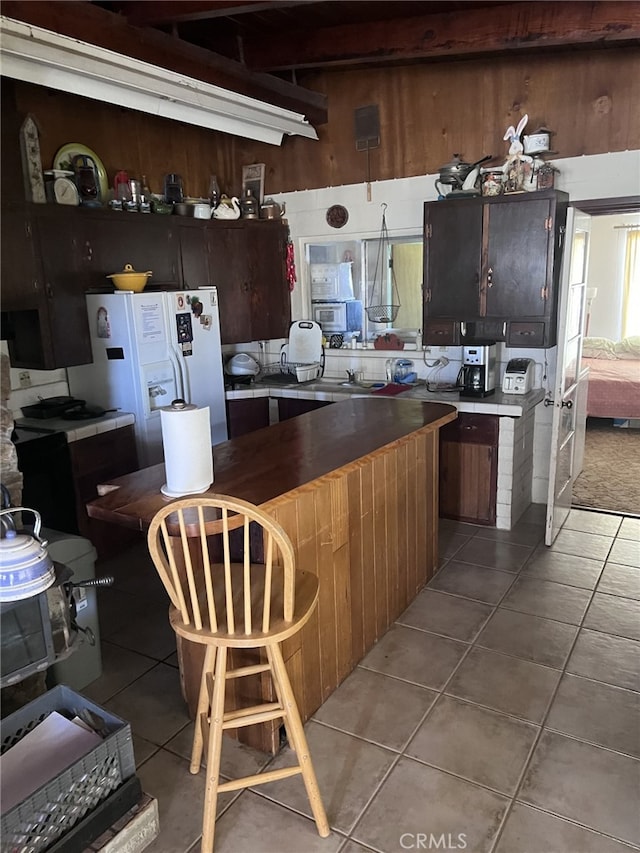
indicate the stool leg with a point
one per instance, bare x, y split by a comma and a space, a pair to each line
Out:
296, 733
213, 753
204, 703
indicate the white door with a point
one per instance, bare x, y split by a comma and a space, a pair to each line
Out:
571, 319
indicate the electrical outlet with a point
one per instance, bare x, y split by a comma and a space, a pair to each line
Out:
443, 349
24, 378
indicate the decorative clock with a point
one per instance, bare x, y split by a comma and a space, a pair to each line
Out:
337, 216
31, 161
66, 192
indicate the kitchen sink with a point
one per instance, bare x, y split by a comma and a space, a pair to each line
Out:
337, 385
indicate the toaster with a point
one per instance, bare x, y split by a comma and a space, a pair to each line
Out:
518, 377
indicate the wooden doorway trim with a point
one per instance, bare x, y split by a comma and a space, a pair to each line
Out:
603, 206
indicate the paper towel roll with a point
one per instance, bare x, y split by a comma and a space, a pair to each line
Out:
186, 441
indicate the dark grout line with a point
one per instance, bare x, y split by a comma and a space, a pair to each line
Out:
545, 717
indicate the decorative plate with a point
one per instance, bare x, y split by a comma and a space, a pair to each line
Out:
337, 216
64, 157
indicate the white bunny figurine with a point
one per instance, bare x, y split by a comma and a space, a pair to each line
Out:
518, 166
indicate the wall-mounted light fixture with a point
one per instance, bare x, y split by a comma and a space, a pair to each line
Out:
49, 59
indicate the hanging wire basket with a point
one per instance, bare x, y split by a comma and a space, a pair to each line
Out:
382, 313
384, 299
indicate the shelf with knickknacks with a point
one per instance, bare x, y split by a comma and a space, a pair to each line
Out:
523, 172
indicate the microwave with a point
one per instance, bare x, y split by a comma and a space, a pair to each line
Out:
339, 316
331, 281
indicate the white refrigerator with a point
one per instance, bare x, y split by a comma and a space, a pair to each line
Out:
148, 350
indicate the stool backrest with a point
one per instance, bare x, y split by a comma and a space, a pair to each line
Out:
191, 542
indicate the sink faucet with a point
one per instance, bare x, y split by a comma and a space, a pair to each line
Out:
351, 376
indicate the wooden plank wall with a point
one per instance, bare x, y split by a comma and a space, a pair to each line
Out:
428, 111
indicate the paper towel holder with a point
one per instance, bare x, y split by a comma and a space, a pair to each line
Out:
183, 478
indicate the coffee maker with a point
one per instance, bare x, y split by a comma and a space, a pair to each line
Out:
477, 377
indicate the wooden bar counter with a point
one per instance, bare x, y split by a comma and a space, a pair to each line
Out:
355, 485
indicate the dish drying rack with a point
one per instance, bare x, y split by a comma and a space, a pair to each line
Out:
303, 355
303, 371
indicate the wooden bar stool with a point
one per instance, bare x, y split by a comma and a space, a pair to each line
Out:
235, 605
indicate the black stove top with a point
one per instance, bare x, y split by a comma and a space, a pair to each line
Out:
21, 434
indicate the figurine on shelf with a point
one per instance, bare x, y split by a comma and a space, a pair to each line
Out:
228, 208
518, 168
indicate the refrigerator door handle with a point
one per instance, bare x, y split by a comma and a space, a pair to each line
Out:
184, 374
177, 369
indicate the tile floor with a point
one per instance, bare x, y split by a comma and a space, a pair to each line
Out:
500, 713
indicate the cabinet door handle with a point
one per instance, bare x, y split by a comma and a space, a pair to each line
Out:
89, 253
490, 277
568, 404
48, 290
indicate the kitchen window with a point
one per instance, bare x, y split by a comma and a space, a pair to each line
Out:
335, 270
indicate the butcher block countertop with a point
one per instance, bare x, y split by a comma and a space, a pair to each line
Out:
278, 459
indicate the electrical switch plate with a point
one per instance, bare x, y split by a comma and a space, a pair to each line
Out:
24, 378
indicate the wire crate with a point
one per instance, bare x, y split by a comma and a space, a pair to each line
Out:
54, 808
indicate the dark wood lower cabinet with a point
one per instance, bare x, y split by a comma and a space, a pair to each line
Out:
291, 407
469, 468
248, 415
96, 460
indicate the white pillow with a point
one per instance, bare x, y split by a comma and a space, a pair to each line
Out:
628, 347
598, 348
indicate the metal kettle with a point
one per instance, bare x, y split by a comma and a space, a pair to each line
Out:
26, 568
455, 173
270, 209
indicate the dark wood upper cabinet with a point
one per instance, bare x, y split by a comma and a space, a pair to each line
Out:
112, 239
518, 270
51, 256
492, 265
452, 259
44, 313
195, 269
247, 262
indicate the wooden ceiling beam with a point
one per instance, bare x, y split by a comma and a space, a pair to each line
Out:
449, 35
158, 13
94, 25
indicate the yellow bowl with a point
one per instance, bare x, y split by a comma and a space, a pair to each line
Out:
129, 279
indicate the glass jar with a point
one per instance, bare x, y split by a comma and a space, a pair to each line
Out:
515, 177
546, 176
492, 182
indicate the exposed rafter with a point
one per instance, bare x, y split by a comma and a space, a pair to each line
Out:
158, 13
476, 31
89, 23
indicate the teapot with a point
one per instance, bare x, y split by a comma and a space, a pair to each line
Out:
26, 568
270, 209
228, 208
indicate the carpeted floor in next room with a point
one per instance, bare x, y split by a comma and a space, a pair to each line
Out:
610, 478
